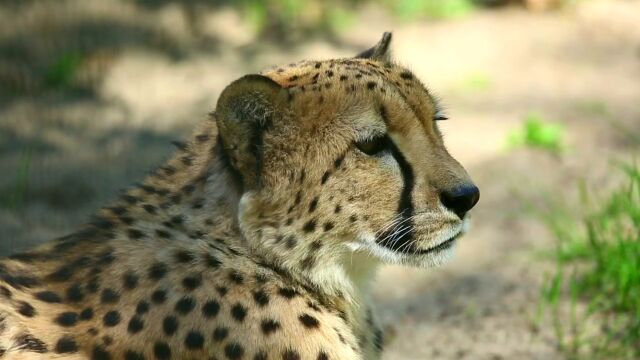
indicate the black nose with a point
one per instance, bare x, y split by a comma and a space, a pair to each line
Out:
461, 199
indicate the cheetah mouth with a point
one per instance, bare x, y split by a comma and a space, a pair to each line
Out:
445, 245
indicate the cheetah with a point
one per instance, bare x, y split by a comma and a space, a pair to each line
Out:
260, 237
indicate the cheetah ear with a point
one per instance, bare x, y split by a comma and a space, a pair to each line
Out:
380, 51
245, 110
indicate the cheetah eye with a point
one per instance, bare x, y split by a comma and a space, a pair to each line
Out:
440, 115
373, 145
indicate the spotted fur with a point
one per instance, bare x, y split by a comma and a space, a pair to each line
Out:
258, 239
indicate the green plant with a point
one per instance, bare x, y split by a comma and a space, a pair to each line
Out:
538, 133
598, 265
14, 196
63, 70
436, 9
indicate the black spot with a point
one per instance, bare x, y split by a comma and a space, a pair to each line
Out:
291, 242
168, 170
142, 307
406, 75
192, 282
288, 293
31, 343
325, 177
130, 280
198, 204
157, 271
371, 85
234, 351
26, 309
126, 219
74, 293
353, 218
269, 326
309, 226
211, 261
337, 209
48, 296
86, 314
378, 339
261, 278
130, 199
261, 298
100, 353
220, 333
222, 291
307, 262
107, 340
111, 318
135, 325
150, 208
135, 234
187, 189
317, 65
185, 305
328, 226
236, 277
161, 350
314, 306
194, 340
93, 285
239, 312
293, 78
210, 308
109, 296
183, 256
67, 319
159, 296
5, 292
63, 273
118, 210
187, 160
313, 205
132, 355
170, 325
309, 321
322, 356
177, 220
163, 234
66, 345
343, 77
260, 356
176, 199
290, 355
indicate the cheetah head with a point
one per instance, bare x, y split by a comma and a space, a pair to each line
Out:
343, 156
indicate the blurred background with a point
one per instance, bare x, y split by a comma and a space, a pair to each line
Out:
543, 99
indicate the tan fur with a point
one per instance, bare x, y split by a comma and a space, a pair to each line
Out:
274, 242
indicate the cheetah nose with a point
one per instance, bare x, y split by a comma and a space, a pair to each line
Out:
461, 199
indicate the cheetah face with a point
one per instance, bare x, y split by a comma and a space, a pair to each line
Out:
344, 155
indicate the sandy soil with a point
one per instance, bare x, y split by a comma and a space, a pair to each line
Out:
151, 79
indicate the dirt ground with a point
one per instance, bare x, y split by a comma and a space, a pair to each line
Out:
156, 79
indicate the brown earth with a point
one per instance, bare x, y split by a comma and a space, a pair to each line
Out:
156, 78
